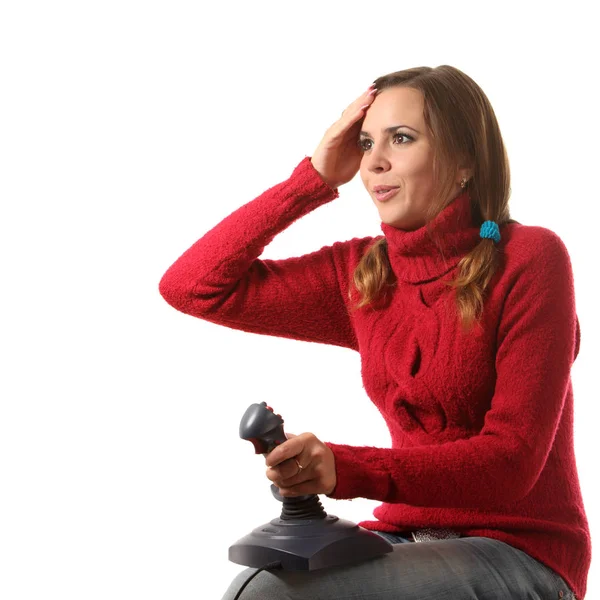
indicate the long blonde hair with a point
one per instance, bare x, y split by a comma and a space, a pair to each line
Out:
464, 130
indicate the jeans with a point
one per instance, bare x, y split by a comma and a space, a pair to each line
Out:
474, 568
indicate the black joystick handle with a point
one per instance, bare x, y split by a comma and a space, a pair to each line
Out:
261, 426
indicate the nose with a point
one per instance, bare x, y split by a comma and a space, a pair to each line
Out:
376, 160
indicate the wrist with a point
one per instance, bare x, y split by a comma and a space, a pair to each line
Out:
331, 184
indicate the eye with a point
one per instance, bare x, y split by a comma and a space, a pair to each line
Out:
408, 137
361, 142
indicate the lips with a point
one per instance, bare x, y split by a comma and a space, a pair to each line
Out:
384, 188
383, 193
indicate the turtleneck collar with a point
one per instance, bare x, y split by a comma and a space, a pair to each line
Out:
414, 255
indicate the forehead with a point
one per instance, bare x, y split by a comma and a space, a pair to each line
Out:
395, 106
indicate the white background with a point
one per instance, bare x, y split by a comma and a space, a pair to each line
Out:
128, 129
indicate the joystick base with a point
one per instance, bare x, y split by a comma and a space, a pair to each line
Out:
308, 544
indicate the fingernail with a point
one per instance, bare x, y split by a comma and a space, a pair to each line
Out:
365, 106
373, 92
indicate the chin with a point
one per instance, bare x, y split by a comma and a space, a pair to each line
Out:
400, 223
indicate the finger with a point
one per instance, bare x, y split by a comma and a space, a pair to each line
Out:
286, 471
365, 98
288, 449
367, 101
368, 95
310, 486
297, 478
349, 119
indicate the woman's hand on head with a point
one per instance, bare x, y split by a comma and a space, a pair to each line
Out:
317, 475
337, 157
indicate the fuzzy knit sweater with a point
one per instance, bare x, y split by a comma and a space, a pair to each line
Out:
481, 422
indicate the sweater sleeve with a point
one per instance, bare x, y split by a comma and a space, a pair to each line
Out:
222, 280
538, 340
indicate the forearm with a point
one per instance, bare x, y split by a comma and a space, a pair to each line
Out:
200, 279
222, 280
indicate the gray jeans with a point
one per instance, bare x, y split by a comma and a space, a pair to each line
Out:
473, 568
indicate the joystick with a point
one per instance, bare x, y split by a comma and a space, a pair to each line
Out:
304, 537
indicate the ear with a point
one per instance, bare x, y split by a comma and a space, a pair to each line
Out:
464, 173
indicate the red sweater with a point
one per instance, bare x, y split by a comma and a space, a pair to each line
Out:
481, 423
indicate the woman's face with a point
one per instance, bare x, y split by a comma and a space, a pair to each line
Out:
398, 152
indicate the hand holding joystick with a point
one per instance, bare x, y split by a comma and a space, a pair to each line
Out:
261, 426
304, 537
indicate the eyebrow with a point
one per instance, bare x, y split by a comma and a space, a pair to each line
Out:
388, 130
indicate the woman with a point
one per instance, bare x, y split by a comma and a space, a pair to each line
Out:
466, 325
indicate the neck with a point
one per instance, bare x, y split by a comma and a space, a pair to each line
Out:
432, 250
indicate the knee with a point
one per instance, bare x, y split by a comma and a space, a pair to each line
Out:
266, 585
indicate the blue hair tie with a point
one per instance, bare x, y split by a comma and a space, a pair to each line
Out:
490, 230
